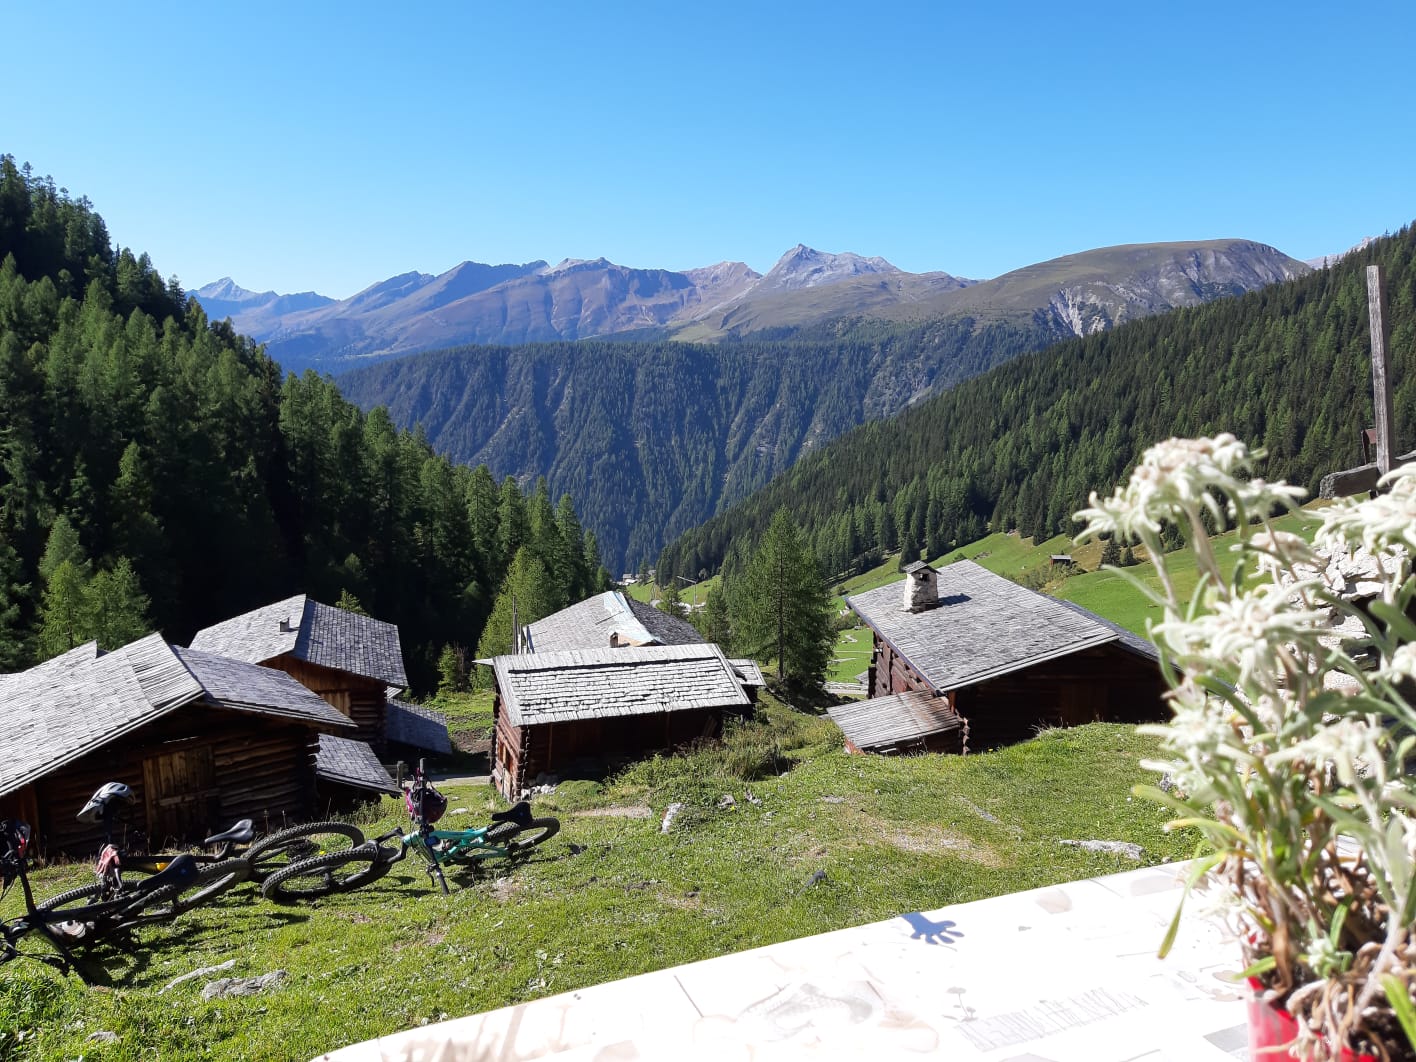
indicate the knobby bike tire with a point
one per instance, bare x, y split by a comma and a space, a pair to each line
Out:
537, 831
213, 880
298, 843
327, 874
105, 917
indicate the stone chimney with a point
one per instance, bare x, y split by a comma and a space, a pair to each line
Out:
921, 587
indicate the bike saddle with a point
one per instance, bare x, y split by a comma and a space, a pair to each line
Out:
519, 813
241, 833
181, 872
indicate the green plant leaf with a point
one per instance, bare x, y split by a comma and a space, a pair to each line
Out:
1400, 1001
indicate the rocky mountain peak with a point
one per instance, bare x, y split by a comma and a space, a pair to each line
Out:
806, 267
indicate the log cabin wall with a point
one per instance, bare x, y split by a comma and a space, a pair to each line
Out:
525, 753
1106, 683
891, 673
359, 698
261, 768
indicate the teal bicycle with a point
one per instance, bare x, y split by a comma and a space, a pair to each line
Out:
510, 835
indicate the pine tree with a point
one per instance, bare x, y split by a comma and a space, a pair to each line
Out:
671, 598
63, 612
712, 622
527, 592
1111, 553
780, 608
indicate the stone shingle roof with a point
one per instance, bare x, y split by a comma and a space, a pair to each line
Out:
249, 687
308, 630
887, 721
348, 762
588, 625
413, 724
603, 683
985, 626
53, 667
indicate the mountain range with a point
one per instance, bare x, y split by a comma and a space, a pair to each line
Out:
474, 303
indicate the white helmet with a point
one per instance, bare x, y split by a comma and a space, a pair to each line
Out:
108, 793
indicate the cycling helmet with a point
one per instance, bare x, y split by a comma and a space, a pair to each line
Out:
424, 803
110, 793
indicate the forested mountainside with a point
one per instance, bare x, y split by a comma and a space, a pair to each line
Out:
652, 439
137, 439
1286, 367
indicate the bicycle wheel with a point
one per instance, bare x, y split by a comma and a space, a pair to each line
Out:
326, 874
214, 880
299, 843
537, 831
100, 917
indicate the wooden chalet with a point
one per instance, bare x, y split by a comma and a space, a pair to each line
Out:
587, 709
605, 621
1005, 659
348, 659
202, 740
917, 721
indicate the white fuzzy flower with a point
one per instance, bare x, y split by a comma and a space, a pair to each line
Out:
1282, 551
1402, 664
1382, 524
1349, 745
1255, 639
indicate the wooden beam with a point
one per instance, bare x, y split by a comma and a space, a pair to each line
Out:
1381, 368
1348, 482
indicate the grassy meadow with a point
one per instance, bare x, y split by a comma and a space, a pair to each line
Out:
609, 897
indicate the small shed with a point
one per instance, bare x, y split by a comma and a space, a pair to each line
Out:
593, 707
412, 729
1008, 660
917, 721
348, 659
608, 620
348, 774
200, 739
750, 674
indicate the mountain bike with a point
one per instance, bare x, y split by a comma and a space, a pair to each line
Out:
67, 923
511, 834
233, 859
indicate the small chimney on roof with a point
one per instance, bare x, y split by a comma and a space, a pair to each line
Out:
285, 626
921, 587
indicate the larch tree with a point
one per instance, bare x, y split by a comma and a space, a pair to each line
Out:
780, 607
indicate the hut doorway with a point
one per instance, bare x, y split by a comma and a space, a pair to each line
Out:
180, 790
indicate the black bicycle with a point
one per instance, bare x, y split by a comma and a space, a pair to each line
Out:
232, 858
69, 925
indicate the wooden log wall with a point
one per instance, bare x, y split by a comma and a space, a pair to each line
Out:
1107, 684
890, 673
264, 770
359, 698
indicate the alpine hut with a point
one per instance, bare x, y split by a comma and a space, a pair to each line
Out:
202, 740
606, 621
582, 708
1005, 659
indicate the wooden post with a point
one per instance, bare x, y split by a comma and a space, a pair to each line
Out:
1381, 369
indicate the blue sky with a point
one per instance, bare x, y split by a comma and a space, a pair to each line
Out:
326, 146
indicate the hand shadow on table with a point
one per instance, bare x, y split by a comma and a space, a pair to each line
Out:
932, 932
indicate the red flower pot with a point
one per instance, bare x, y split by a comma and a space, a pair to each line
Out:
1272, 1029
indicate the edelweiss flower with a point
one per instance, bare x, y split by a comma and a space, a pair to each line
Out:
1402, 664
1255, 637
1349, 745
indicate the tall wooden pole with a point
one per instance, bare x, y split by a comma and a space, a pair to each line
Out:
1381, 369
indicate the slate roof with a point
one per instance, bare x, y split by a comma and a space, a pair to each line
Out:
348, 762
250, 687
748, 672
887, 721
985, 626
603, 683
66, 708
588, 625
311, 631
413, 724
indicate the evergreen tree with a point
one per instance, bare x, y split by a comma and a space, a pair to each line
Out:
712, 621
671, 598
115, 607
349, 603
1111, 553
64, 611
780, 607
528, 593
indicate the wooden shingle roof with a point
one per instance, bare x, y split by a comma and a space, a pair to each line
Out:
884, 722
985, 626
67, 708
311, 631
413, 724
748, 671
602, 683
348, 762
588, 624
241, 686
